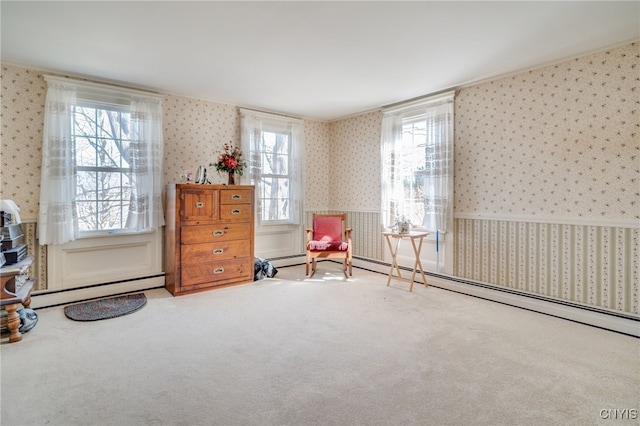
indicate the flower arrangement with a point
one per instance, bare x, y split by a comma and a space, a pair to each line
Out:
230, 160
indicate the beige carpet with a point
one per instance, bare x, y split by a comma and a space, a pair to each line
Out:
290, 351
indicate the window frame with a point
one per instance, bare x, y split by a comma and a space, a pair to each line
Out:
278, 131
100, 105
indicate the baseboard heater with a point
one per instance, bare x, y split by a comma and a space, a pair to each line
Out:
48, 299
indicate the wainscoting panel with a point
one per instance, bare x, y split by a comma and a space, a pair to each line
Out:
105, 259
366, 232
592, 264
38, 269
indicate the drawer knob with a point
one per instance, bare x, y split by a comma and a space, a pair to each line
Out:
218, 270
218, 251
218, 233
236, 197
236, 211
199, 205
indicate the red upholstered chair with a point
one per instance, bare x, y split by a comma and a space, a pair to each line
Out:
329, 239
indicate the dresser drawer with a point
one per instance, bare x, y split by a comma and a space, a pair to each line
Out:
220, 272
198, 204
211, 233
236, 212
235, 196
213, 252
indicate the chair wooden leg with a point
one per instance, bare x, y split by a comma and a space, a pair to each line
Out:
311, 265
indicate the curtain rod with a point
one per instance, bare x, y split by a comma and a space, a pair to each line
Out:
101, 86
431, 99
270, 115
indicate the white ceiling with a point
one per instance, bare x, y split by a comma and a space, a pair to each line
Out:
318, 60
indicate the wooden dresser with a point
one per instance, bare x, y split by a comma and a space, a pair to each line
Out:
209, 236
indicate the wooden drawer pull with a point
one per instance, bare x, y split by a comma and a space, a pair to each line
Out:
218, 251
218, 271
218, 233
236, 211
236, 196
199, 205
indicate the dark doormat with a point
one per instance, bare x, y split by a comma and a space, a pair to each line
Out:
106, 308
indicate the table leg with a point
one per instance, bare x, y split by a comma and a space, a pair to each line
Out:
13, 322
416, 251
394, 262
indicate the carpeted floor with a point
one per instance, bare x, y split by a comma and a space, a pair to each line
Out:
324, 351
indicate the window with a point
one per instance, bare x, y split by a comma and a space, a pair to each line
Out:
417, 156
274, 184
274, 146
101, 161
104, 180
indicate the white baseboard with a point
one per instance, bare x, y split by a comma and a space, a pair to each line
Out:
64, 297
558, 309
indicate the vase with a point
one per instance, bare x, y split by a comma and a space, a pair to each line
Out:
232, 180
404, 227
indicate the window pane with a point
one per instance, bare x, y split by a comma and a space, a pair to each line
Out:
267, 209
267, 187
266, 164
281, 164
110, 215
283, 209
282, 143
274, 164
84, 121
275, 187
275, 199
85, 151
113, 185
86, 188
113, 153
86, 215
275, 209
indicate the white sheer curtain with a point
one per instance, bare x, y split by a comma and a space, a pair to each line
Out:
252, 125
392, 183
57, 217
145, 151
439, 166
251, 135
429, 160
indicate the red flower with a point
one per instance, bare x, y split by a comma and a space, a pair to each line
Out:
231, 162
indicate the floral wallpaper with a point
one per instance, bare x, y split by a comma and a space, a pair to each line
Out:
355, 162
194, 134
22, 96
556, 141
318, 165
